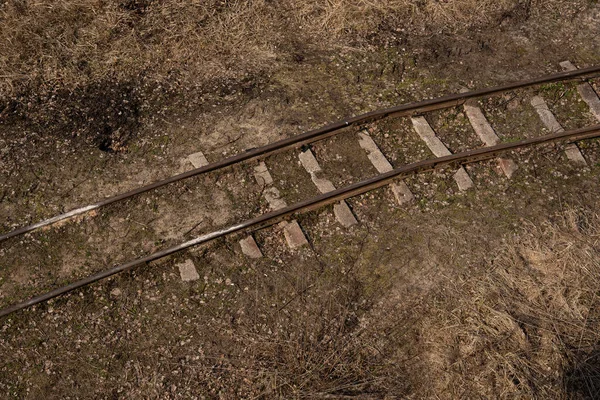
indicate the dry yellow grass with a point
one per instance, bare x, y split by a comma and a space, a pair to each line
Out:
71, 43
526, 325
76, 67
529, 327
364, 17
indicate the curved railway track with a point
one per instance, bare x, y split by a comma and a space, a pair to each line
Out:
387, 173
313, 136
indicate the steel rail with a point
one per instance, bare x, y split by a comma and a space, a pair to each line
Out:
314, 135
319, 201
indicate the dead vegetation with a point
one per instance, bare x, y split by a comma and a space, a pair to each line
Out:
336, 323
526, 326
55, 55
523, 325
72, 43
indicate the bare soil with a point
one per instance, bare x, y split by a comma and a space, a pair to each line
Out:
485, 294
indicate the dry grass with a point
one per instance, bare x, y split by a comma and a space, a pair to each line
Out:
528, 328
72, 43
364, 18
95, 69
524, 326
57, 55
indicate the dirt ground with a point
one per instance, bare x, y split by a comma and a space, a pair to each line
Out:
486, 294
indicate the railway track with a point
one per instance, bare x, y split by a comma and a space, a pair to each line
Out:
416, 113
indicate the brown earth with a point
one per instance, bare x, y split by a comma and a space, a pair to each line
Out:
488, 294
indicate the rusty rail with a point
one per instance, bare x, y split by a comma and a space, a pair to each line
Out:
312, 136
318, 201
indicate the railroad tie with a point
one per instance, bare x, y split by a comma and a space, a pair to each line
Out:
487, 135
250, 248
427, 134
197, 159
549, 120
341, 210
294, 235
355, 189
400, 190
586, 91
192, 161
187, 271
248, 244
